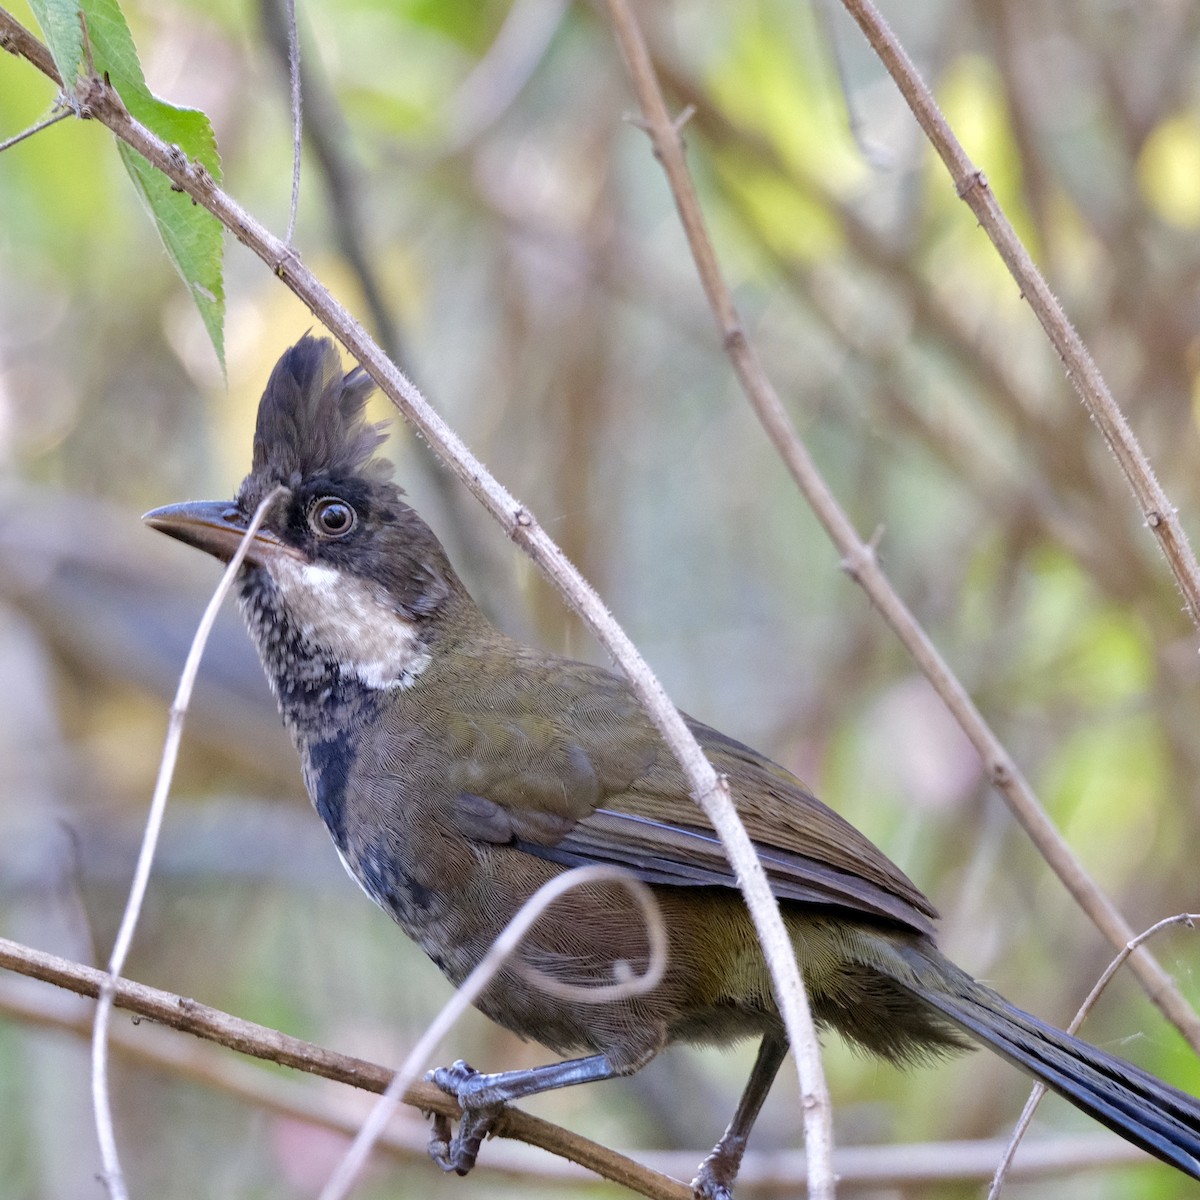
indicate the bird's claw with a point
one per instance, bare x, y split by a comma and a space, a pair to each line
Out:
714, 1180
457, 1152
705, 1187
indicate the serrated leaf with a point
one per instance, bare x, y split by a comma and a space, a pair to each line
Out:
63, 31
194, 246
191, 235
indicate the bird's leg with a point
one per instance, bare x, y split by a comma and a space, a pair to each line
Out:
483, 1097
714, 1181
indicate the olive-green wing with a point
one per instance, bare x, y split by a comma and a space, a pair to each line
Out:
563, 763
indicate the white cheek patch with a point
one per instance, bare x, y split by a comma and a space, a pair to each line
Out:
350, 620
319, 580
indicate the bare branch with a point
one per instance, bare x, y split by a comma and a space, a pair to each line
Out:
972, 187
909, 1164
861, 564
707, 789
259, 1041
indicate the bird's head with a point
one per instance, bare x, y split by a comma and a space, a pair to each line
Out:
343, 581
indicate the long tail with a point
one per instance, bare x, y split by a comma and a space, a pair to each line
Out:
1142, 1109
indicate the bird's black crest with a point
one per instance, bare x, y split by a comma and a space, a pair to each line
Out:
311, 421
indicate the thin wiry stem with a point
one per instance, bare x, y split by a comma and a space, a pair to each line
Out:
1039, 1090
45, 123
293, 46
860, 562
710, 791
114, 1178
347, 1171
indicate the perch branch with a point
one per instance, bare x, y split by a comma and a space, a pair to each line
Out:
259, 1041
98, 100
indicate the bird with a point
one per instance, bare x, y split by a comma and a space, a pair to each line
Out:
457, 770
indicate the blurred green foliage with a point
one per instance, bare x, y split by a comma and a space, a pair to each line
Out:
531, 271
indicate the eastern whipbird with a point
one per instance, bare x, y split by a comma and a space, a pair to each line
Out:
458, 770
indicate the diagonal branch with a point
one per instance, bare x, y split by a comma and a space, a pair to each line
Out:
909, 1164
858, 556
1039, 1089
972, 187
97, 100
259, 1041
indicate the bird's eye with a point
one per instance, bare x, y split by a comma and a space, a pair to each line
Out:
331, 517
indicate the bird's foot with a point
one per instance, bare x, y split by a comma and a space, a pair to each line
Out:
714, 1180
707, 1187
480, 1111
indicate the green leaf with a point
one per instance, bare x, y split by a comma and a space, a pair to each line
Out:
191, 235
63, 30
193, 244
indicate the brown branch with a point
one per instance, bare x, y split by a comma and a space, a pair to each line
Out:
908, 1164
259, 1041
858, 557
815, 1104
96, 99
972, 187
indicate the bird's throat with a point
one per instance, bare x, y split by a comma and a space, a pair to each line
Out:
329, 643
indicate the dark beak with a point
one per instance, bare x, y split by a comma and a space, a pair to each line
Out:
216, 527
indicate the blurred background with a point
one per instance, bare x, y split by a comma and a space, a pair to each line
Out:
474, 190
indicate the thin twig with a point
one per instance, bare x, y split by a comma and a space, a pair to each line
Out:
114, 1179
668, 145
1039, 1090
860, 563
345, 180
347, 1171
707, 789
908, 1164
45, 123
293, 49
972, 186
260, 1041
